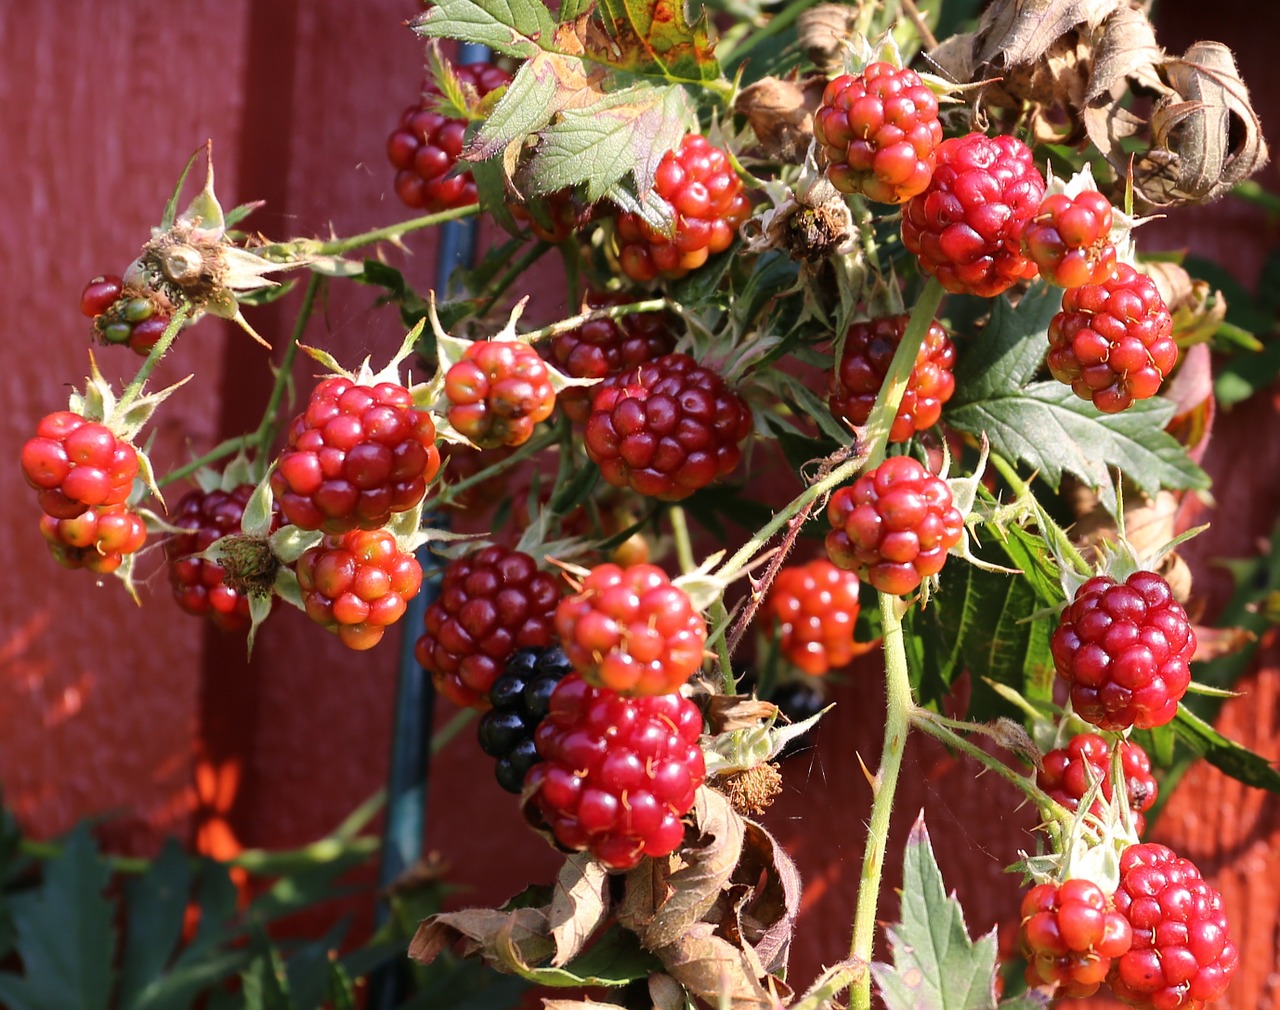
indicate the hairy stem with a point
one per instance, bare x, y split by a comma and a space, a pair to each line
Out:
1047, 526
897, 725
394, 231
170, 334
680, 531
607, 312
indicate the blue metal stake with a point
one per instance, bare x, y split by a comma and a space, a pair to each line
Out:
405, 831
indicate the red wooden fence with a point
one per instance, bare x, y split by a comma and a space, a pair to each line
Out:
147, 717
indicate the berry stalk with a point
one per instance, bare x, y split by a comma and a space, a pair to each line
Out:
606, 312
394, 231
134, 389
885, 410
879, 424
897, 724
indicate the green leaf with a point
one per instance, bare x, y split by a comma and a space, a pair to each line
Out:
66, 936
512, 27
656, 37
627, 131
265, 981
1053, 431
615, 959
1235, 759
156, 904
1008, 352
935, 963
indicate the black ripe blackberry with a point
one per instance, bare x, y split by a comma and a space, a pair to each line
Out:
519, 699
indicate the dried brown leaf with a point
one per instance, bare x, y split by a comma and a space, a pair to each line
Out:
488, 933
766, 919
1213, 643
822, 30
1124, 47
579, 1004
1014, 32
715, 970
666, 993
579, 905
1206, 136
953, 60
780, 112
727, 712
665, 897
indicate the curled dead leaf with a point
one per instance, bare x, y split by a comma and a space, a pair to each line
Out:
493, 935
727, 712
664, 897
822, 30
1206, 135
714, 970
666, 993
765, 916
579, 905
780, 112
1214, 643
1015, 32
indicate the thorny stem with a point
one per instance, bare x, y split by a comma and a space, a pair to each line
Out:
719, 618
760, 589
941, 728
223, 449
875, 436
897, 724
1047, 526
895, 381
607, 312
394, 231
134, 389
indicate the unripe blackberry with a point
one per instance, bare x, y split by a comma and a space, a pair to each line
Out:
877, 132
666, 428
707, 202
864, 362
966, 227
617, 774
426, 146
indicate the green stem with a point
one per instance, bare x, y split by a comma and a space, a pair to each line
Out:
607, 312
446, 733
450, 492
530, 257
134, 389
684, 546
784, 19
941, 728
225, 448
394, 231
876, 433
897, 725
1047, 526
885, 410
267, 429
719, 615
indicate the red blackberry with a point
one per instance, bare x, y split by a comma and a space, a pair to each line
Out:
666, 428
100, 294
97, 539
1182, 956
1113, 342
617, 774
75, 463
1069, 239
877, 132
1071, 934
425, 147
199, 586
966, 227
1068, 773
1125, 649
894, 526
354, 457
520, 699
631, 630
815, 607
606, 347
864, 361
492, 602
357, 583
706, 201
498, 392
